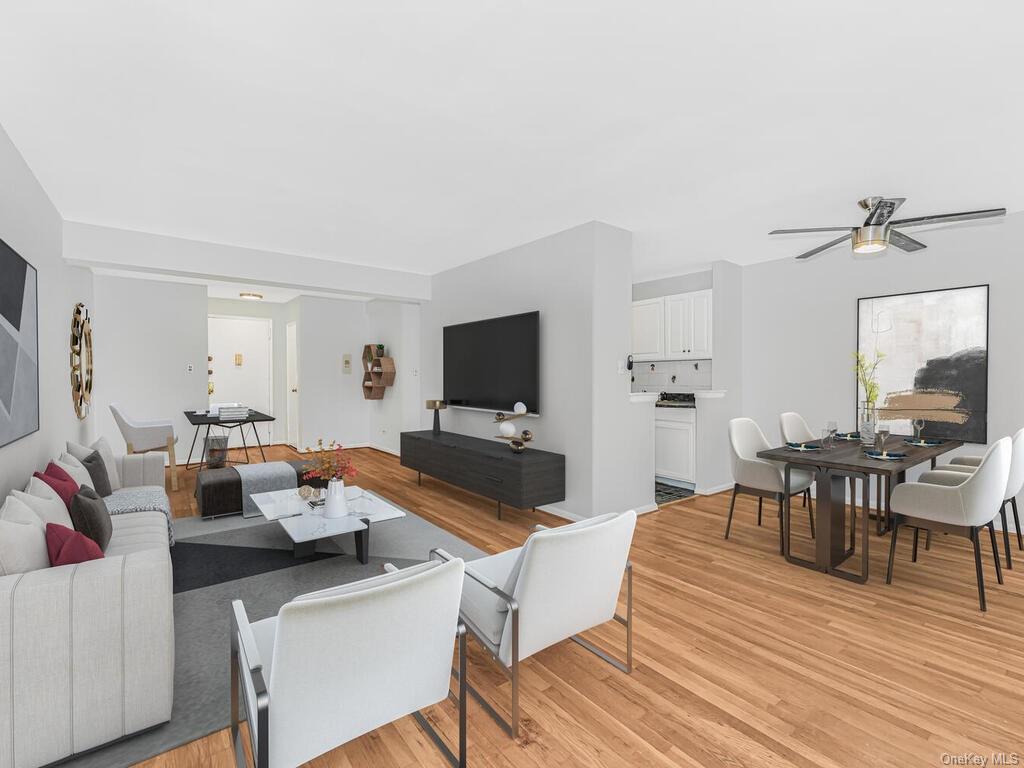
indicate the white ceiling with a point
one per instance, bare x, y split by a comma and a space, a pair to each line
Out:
418, 136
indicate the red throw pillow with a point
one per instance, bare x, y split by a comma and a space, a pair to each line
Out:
61, 482
67, 547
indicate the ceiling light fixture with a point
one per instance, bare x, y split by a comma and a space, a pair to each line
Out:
251, 296
870, 239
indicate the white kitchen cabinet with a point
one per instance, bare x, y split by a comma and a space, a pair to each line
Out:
673, 327
674, 450
649, 329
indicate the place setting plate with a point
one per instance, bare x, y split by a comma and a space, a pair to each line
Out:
924, 442
848, 436
885, 455
803, 447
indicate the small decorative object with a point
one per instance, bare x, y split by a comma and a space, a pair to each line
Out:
516, 441
330, 464
306, 492
81, 360
436, 406
868, 380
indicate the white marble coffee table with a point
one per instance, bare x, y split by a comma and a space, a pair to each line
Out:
306, 526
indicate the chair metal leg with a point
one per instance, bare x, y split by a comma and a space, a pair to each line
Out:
928, 541
976, 541
917, 535
1016, 523
515, 672
995, 551
892, 552
1006, 537
457, 761
810, 511
807, 495
782, 526
760, 502
732, 506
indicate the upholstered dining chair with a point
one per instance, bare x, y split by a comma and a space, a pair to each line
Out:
336, 664
960, 503
561, 582
146, 436
1014, 485
761, 478
793, 428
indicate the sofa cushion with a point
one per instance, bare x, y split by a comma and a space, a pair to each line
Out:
68, 547
90, 516
22, 539
45, 502
75, 469
60, 481
97, 470
142, 498
137, 531
101, 445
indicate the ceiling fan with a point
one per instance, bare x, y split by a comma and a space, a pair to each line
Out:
879, 229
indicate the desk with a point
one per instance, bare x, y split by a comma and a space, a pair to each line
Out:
200, 420
832, 468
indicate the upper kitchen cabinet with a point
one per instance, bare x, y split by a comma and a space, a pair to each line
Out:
673, 327
649, 329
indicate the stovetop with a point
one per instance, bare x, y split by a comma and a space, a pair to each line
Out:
676, 400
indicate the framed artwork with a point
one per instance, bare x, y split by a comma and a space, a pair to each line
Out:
933, 352
19, 347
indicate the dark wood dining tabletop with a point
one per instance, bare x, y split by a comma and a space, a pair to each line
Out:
833, 467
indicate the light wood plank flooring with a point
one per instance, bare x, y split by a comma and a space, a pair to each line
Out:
741, 659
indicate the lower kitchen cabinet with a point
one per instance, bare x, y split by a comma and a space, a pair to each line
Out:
675, 446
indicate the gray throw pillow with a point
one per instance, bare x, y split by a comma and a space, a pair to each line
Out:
90, 517
97, 470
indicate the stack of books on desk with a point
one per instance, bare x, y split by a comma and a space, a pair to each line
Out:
231, 412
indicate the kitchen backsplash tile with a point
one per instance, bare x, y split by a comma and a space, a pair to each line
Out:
688, 375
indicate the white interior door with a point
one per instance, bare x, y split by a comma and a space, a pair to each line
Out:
242, 352
292, 378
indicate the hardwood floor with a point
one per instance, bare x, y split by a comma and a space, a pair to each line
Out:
741, 659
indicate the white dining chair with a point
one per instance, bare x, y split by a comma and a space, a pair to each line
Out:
147, 436
336, 664
793, 428
959, 503
759, 477
1014, 485
561, 582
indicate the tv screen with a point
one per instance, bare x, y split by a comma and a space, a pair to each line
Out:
493, 363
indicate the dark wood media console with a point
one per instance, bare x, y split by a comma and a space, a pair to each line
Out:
486, 467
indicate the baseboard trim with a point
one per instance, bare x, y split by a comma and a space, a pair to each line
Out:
713, 490
382, 449
565, 514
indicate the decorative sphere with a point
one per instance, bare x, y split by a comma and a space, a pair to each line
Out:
527, 435
499, 416
517, 446
519, 408
507, 428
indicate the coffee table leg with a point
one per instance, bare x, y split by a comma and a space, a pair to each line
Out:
363, 543
305, 548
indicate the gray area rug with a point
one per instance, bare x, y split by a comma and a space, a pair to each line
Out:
202, 692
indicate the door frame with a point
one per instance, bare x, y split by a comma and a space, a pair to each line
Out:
291, 347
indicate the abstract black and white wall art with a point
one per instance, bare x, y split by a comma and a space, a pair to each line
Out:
934, 366
19, 347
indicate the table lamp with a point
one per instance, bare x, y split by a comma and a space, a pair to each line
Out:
436, 406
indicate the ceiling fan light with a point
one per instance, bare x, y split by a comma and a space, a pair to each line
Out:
870, 239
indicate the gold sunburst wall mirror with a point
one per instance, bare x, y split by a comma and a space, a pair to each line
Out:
81, 360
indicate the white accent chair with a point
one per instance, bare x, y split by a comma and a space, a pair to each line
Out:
339, 663
561, 582
1014, 485
955, 502
146, 436
793, 428
760, 477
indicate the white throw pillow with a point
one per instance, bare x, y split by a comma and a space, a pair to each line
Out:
80, 452
75, 468
22, 539
45, 502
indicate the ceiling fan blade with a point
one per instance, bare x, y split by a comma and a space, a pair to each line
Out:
810, 229
825, 247
883, 210
942, 218
904, 242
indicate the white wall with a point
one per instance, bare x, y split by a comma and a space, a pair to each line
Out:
30, 225
559, 276
331, 404
799, 321
397, 326
670, 286
146, 333
249, 382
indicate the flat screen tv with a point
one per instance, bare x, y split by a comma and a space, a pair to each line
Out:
493, 363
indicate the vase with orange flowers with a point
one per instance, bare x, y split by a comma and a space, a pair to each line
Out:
330, 465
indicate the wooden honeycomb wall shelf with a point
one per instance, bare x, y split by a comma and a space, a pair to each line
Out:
378, 372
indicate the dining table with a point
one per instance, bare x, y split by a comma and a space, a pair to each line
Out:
845, 462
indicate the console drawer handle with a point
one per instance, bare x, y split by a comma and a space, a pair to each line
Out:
493, 479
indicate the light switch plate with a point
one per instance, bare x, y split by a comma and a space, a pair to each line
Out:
346, 363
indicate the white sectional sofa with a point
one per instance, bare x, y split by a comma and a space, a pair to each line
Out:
87, 650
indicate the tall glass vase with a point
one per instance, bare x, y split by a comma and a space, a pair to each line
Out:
868, 423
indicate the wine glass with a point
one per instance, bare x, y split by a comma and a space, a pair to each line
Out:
826, 439
881, 435
918, 428
833, 428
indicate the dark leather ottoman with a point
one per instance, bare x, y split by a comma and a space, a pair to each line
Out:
219, 491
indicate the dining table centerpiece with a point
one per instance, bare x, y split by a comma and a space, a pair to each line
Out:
867, 380
331, 465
